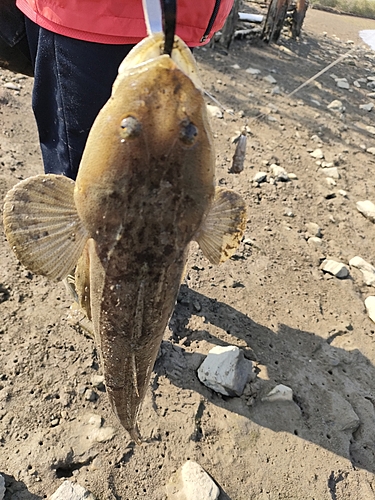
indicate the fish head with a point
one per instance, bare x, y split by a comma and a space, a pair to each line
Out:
153, 131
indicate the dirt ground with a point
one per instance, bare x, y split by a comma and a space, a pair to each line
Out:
301, 327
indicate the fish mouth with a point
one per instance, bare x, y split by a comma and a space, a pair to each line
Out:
151, 50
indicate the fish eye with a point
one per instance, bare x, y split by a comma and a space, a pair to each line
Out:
130, 128
188, 133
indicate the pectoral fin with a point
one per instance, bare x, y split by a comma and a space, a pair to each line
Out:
223, 227
42, 225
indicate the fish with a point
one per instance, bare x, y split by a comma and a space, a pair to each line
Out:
145, 190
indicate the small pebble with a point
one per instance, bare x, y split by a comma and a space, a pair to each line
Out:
90, 395
270, 79
279, 393
370, 307
72, 491
214, 111
260, 177
337, 269
367, 208
253, 71
317, 154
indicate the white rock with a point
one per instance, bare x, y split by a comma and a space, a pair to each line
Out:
276, 90
2, 487
253, 71
370, 307
315, 241
192, 482
317, 154
331, 182
98, 381
315, 138
331, 172
337, 269
72, 491
260, 177
292, 176
367, 269
225, 370
370, 130
371, 95
367, 208
367, 107
334, 77
270, 79
279, 173
357, 84
336, 105
313, 229
235, 66
214, 111
343, 193
342, 83
279, 393
370, 150
327, 164
12, 86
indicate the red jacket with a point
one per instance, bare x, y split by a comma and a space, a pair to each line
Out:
122, 21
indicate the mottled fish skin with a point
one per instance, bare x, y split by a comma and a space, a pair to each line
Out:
144, 190
141, 198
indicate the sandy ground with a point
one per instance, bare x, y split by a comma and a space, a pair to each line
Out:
301, 327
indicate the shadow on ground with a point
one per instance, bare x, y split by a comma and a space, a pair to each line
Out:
334, 400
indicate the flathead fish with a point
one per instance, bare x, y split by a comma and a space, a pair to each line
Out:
145, 189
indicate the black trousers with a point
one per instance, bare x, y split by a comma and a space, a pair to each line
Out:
73, 80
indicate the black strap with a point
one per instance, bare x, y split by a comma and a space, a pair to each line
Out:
169, 10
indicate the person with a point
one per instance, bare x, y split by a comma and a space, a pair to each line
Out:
76, 47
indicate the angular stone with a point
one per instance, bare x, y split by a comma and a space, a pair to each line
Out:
279, 393
336, 105
370, 307
214, 111
315, 241
331, 172
337, 269
342, 83
225, 370
367, 107
253, 71
370, 150
279, 173
192, 482
367, 208
313, 229
327, 164
317, 154
270, 79
12, 86
72, 491
260, 177
367, 269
